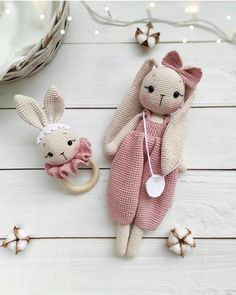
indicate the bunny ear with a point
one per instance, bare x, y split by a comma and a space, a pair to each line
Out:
173, 140
29, 110
130, 106
53, 105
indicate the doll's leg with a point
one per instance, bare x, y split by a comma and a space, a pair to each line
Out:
122, 238
134, 241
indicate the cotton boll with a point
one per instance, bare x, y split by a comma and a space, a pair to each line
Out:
22, 244
189, 240
151, 31
180, 240
176, 249
141, 38
151, 42
12, 247
147, 36
181, 231
21, 234
145, 30
17, 240
10, 237
172, 238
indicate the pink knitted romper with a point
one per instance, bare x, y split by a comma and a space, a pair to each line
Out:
128, 201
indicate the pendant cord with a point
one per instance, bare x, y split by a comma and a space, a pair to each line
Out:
147, 149
146, 143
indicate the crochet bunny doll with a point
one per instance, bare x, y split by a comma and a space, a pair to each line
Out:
61, 148
147, 147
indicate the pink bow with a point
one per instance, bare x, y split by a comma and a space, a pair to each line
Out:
190, 75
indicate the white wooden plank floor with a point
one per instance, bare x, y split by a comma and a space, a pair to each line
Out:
72, 247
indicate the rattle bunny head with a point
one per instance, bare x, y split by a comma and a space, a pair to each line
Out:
57, 142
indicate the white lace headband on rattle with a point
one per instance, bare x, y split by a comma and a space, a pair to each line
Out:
50, 128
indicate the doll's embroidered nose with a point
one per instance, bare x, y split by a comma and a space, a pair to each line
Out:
63, 154
162, 95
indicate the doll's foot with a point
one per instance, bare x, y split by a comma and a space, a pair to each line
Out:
134, 242
122, 238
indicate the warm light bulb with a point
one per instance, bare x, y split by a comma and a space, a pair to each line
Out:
106, 8
218, 41
184, 40
228, 17
7, 11
69, 18
191, 27
191, 9
63, 32
96, 32
42, 16
152, 4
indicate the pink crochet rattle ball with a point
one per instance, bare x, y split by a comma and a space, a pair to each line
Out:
60, 146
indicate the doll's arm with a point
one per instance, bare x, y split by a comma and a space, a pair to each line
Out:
112, 147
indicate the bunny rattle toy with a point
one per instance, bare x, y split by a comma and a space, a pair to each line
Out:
146, 138
61, 148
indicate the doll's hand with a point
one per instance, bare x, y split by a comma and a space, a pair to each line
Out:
182, 167
111, 149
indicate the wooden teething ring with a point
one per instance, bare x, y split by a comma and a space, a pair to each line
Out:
88, 185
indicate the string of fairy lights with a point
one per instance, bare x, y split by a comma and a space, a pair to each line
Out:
192, 23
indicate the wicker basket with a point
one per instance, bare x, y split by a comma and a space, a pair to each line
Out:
42, 52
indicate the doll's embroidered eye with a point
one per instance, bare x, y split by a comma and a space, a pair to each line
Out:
70, 142
49, 155
177, 94
150, 88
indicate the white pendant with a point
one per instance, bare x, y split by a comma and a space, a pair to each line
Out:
155, 185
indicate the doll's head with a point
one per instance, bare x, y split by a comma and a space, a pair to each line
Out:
163, 89
57, 142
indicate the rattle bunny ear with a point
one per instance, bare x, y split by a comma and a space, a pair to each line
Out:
130, 105
53, 105
29, 110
